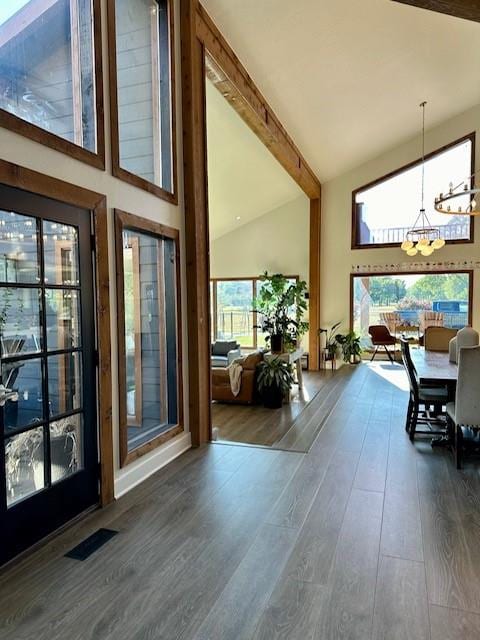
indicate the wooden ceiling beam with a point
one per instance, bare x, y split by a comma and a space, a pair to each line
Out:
467, 9
230, 77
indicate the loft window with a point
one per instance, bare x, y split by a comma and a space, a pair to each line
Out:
47, 72
383, 211
142, 94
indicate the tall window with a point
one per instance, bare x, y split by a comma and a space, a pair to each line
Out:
385, 210
149, 339
407, 303
142, 97
233, 318
47, 68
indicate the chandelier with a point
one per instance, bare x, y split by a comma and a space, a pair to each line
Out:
422, 237
445, 203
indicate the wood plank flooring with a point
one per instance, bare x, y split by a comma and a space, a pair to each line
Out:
365, 537
293, 427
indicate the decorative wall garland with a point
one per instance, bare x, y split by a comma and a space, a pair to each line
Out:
399, 267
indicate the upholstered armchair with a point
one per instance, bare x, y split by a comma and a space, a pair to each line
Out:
224, 352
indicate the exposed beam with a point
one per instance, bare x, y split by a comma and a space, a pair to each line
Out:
196, 225
467, 9
231, 78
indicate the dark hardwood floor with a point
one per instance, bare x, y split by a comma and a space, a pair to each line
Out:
293, 427
366, 537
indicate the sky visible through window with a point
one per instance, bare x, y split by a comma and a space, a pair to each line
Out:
9, 7
396, 202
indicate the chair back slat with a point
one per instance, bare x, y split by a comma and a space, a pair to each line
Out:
409, 367
467, 399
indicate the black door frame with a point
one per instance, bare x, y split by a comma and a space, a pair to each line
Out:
37, 183
36, 516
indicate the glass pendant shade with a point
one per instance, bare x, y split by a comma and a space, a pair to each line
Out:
406, 245
412, 252
438, 243
427, 251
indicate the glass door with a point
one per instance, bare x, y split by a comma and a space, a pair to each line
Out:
48, 433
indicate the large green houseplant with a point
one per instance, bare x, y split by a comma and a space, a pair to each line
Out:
274, 380
350, 345
281, 304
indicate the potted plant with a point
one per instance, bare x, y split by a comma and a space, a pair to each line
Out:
350, 345
330, 341
274, 380
281, 302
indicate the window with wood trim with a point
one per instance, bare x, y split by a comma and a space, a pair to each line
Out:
141, 38
149, 335
384, 210
233, 317
48, 84
407, 303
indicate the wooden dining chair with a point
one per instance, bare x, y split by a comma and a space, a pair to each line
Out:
381, 337
463, 415
422, 399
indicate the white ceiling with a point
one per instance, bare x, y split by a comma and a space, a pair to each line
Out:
244, 179
346, 77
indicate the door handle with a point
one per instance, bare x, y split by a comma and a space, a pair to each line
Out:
7, 394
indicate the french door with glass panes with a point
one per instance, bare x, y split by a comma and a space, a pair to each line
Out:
48, 433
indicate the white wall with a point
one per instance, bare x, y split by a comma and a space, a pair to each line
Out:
277, 242
27, 153
337, 256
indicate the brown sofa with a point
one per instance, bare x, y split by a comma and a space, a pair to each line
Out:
221, 390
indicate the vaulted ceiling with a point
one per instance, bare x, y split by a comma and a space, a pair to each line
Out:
346, 77
245, 181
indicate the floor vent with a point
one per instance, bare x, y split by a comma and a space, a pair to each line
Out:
91, 544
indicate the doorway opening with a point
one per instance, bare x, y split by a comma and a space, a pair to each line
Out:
259, 227
49, 470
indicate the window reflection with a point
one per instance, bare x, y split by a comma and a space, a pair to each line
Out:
24, 465
18, 248
150, 335
63, 318
20, 331
60, 249
47, 67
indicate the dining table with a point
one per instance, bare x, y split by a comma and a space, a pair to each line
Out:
435, 368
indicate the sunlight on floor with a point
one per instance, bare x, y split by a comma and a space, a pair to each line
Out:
392, 373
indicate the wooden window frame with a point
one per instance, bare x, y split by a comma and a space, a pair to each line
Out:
355, 243
366, 274
117, 170
254, 280
124, 220
22, 178
53, 141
